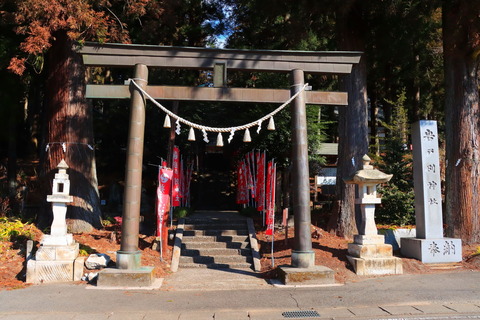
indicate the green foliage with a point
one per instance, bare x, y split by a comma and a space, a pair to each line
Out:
85, 250
181, 212
476, 253
12, 230
398, 197
108, 221
397, 206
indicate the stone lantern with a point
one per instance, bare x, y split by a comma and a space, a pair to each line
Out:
56, 259
59, 198
369, 254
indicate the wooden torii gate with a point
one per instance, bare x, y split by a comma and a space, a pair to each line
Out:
219, 61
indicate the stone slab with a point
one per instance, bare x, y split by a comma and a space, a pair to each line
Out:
334, 313
93, 315
110, 277
53, 240
126, 315
394, 236
314, 275
369, 239
368, 311
439, 250
57, 252
376, 266
370, 250
266, 314
50, 271
161, 315
24, 316
432, 308
231, 315
200, 315
463, 307
401, 310
78, 264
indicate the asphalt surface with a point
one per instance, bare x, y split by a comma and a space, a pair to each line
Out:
216, 294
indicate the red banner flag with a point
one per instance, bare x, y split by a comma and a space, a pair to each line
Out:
176, 177
182, 183
242, 190
260, 182
163, 198
269, 203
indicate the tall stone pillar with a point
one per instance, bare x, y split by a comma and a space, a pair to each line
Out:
302, 255
429, 246
129, 256
129, 272
303, 269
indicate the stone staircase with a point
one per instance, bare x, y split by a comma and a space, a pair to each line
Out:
216, 243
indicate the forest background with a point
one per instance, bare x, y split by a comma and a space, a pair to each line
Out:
420, 61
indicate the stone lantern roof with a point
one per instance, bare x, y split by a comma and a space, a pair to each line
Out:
368, 175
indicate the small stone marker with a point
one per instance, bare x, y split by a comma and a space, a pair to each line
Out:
369, 254
429, 246
57, 257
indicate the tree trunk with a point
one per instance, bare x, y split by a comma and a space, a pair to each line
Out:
70, 134
352, 126
460, 34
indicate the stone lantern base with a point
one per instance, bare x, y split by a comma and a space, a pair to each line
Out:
369, 255
55, 263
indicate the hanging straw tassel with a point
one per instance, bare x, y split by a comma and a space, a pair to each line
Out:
219, 140
167, 123
271, 124
246, 136
191, 134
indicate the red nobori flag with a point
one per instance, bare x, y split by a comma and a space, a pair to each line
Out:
176, 195
242, 190
270, 207
163, 197
260, 196
270, 203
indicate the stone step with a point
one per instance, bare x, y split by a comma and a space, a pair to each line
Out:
214, 221
214, 252
216, 226
225, 239
202, 245
194, 233
245, 265
216, 259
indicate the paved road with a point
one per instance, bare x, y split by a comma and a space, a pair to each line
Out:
426, 297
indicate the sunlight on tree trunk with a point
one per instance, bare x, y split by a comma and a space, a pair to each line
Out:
461, 41
352, 126
70, 133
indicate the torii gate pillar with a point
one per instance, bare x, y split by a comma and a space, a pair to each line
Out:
129, 256
129, 272
302, 255
303, 269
